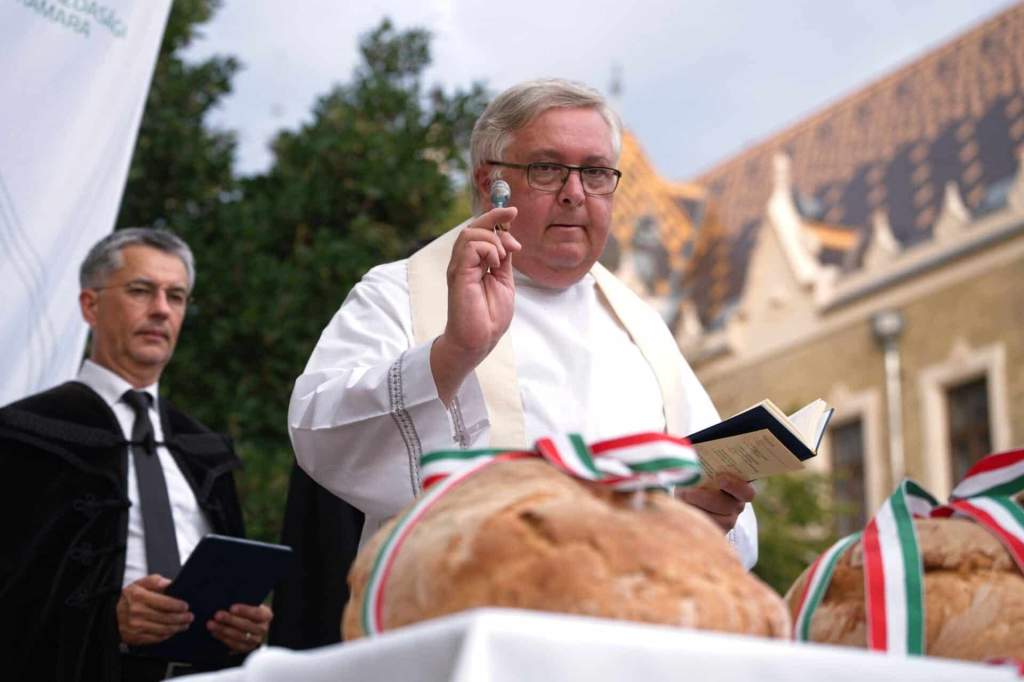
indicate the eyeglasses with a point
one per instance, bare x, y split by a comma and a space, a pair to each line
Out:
548, 176
144, 293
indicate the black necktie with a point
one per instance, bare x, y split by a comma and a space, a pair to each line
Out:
157, 521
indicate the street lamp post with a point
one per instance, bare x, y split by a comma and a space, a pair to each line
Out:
887, 326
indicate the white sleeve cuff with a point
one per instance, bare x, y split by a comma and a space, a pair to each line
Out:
743, 537
466, 418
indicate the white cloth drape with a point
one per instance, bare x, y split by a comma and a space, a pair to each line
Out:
73, 84
503, 645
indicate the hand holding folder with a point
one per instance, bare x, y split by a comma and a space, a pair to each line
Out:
221, 572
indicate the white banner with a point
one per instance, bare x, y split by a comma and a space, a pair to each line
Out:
73, 81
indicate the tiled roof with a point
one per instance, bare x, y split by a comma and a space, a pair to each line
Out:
954, 115
650, 217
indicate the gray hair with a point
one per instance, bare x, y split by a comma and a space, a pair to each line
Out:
515, 108
105, 257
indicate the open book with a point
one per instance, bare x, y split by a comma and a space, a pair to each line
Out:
761, 440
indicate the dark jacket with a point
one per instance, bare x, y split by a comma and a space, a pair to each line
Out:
64, 500
323, 530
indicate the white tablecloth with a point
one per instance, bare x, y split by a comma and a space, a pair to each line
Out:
503, 645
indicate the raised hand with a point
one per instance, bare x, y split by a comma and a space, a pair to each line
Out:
481, 299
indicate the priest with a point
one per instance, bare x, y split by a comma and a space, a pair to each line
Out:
505, 329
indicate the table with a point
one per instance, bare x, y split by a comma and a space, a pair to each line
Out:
507, 645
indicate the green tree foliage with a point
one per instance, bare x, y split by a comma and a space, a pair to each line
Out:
181, 169
375, 170
378, 159
795, 524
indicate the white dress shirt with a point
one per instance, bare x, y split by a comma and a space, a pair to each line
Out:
190, 525
366, 407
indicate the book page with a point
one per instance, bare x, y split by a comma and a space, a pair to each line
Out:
807, 419
750, 456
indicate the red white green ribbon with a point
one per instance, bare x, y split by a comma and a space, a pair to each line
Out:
818, 578
1001, 515
641, 461
1001, 474
893, 573
1012, 663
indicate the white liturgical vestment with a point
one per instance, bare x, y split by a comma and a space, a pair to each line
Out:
366, 407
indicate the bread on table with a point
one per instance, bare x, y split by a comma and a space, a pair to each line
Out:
521, 534
973, 595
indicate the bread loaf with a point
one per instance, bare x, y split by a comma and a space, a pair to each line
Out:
521, 534
973, 595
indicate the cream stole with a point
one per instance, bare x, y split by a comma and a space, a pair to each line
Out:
428, 297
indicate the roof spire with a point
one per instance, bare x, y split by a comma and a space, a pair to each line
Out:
615, 84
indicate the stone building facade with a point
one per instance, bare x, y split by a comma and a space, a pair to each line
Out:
871, 255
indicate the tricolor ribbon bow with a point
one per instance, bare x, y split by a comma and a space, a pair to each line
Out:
893, 570
637, 462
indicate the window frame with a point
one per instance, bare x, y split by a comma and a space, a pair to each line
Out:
962, 365
865, 406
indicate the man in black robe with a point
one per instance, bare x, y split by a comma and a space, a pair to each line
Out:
78, 593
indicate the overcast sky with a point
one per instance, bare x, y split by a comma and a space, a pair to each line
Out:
701, 80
